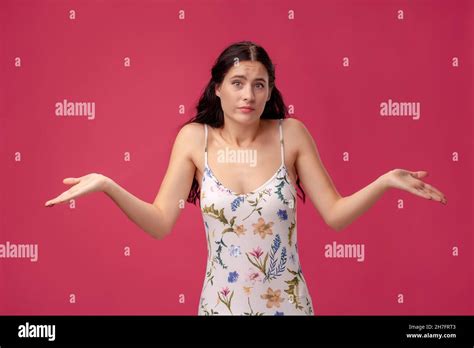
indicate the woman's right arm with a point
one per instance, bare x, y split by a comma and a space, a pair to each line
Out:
156, 219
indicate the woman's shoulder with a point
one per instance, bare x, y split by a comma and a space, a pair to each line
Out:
189, 136
287, 121
192, 132
192, 127
297, 135
293, 127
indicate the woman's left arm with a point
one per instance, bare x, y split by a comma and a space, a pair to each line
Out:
349, 208
338, 212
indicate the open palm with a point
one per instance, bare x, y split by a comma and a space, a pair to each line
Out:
82, 185
410, 182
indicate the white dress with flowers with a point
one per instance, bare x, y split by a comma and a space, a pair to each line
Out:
253, 266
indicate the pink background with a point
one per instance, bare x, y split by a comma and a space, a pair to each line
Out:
81, 251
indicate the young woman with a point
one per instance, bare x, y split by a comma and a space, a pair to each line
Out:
244, 160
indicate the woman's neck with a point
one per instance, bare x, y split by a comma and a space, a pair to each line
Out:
240, 135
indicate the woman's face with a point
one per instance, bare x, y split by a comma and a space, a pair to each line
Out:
245, 84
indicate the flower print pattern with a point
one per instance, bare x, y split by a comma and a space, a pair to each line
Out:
233, 276
282, 214
239, 230
251, 310
277, 264
234, 250
273, 298
257, 252
225, 298
255, 259
252, 263
254, 277
247, 290
262, 228
257, 202
293, 289
293, 258
236, 203
291, 230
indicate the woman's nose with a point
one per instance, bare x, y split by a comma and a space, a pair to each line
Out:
248, 93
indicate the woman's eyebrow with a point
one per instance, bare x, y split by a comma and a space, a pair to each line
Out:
243, 77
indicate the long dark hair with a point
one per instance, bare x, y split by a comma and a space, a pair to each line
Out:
209, 109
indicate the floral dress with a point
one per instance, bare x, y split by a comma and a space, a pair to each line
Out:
253, 266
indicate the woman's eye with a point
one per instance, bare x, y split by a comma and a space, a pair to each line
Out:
258, 84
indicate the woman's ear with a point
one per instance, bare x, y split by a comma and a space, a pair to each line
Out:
217, 90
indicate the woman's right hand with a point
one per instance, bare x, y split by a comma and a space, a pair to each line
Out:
85, 184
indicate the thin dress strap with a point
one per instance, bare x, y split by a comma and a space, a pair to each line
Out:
205, 149
281, 144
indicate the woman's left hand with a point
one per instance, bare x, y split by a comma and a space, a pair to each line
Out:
410, 182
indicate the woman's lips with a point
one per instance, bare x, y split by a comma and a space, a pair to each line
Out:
246, 110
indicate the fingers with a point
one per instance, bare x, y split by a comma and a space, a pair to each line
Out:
63, 197
426, 190
431, 191
50, 203
428, 193
419, 174
436, 191
437, 197
421, 193
71, 180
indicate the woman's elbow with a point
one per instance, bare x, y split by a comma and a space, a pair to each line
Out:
336, 227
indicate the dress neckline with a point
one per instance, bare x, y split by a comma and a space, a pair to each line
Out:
257, 190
